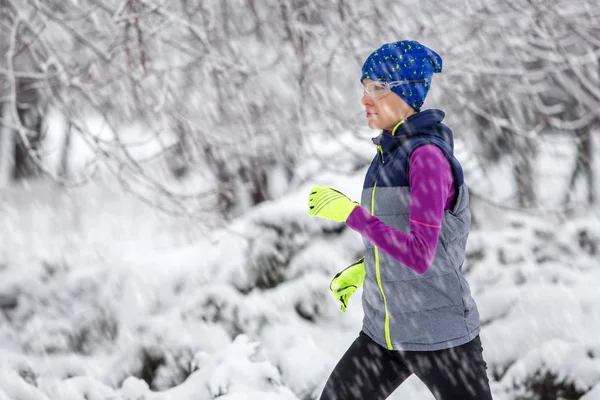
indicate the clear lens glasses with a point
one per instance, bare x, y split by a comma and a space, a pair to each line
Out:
377, 90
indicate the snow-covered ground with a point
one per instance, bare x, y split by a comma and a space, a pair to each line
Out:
100, 293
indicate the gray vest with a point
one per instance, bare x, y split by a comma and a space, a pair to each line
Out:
405, 310
425, 312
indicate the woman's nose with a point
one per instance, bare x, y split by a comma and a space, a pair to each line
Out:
366, 100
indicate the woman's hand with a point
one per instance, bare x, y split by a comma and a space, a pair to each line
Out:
325, 202
347, 282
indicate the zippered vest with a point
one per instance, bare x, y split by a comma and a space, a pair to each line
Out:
404, 310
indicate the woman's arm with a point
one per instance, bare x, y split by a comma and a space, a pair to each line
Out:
431, 192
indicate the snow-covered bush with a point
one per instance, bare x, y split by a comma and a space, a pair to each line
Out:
238, 371
531, 281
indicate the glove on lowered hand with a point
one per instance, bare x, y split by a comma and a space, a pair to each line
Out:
328, 203
346, 282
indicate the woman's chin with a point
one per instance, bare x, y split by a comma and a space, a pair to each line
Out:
373, 124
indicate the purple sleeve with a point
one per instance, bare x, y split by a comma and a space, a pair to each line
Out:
431, 192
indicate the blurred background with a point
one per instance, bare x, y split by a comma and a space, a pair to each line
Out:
156, 156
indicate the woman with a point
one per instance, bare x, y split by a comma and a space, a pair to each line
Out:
419, 316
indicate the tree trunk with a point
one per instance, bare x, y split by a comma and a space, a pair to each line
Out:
583, 164
25, 167
256, 181
523, 150
225, 199
63, 171
588, 166
523, 171
7, 146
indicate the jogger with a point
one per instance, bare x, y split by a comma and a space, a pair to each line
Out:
369, 371
414, 216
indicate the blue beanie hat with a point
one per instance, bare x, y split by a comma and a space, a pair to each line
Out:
404, 60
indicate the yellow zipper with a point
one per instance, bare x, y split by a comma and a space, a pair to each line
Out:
386, 327
380, 149
396, 127
393, 133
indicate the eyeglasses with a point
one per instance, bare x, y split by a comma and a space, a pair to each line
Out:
377, 90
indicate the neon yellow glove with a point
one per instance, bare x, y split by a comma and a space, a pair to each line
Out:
345, 283
328, 203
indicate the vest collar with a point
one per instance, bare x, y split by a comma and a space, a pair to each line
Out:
388, 140
427, 122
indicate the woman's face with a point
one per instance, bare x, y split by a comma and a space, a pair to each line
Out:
385, 112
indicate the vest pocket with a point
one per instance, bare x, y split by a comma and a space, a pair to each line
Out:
426, 328
424, 294
426, 310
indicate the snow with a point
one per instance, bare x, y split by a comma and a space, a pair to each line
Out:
592, 394
106, 288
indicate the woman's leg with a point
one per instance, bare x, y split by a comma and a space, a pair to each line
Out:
456, 373
365, 371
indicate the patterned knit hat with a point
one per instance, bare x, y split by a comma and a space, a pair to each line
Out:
404, 60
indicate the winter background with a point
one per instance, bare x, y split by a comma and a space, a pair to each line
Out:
155, 162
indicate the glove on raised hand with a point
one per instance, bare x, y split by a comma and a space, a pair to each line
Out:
328, 203
346, 282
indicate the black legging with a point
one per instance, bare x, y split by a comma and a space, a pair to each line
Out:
369, 371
